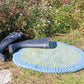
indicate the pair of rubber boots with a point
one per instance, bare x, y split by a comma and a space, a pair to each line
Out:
12, 37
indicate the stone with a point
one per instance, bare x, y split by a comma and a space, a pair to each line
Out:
5, 76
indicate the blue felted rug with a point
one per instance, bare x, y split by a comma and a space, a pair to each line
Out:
59, 58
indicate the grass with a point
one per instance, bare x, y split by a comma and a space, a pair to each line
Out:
28, 76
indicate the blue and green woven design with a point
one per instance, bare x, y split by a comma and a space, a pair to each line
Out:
59, 58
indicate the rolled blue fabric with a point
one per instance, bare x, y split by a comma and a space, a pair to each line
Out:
34, 43
6, 41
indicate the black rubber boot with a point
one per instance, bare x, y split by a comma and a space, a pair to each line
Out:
6, 41
34, 43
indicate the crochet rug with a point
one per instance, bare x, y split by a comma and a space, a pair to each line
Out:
59, 58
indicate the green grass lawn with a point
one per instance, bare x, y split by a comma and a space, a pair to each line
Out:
27, 76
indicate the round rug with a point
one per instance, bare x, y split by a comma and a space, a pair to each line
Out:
59, 58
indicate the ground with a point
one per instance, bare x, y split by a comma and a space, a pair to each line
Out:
27, 76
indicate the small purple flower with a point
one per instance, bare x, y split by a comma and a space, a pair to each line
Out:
21, 14
50, 6
57, 11
48, 21
43, 30
59, 23
38, 25
24, 2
